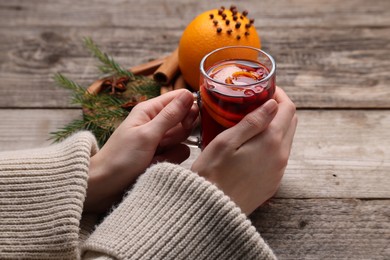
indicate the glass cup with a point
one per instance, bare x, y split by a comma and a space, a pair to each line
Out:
234, 81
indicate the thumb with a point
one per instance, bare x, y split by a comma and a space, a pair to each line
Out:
172, 114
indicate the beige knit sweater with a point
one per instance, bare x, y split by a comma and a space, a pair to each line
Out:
170, 213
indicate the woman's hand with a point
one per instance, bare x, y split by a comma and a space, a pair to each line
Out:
248, 160
159, 124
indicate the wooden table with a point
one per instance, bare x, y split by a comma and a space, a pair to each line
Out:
333, 61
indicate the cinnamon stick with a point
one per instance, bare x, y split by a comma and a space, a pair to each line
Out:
96, 87
179, 82
168, 69
142, 69
165, 89
148, 67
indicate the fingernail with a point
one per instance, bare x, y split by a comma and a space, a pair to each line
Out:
270, 106
186, 99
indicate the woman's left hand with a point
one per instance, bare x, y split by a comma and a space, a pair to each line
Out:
153, 131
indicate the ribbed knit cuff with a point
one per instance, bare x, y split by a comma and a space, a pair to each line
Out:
42, 192
172, 213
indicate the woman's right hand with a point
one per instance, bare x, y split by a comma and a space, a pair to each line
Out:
248, 160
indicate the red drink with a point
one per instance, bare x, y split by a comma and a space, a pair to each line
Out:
232, 89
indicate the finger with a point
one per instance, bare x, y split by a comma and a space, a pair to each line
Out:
287, 141
152, 107
175, 154
289, 137
175, 135
189, 121
286, 111
251, 125
172, 114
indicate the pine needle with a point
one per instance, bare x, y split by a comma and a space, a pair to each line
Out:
77, 90
64, 132
109, 65
144, 86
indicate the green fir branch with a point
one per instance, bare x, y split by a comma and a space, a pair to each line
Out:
144, 86
66, 83
109, 65
101, 101
64, 132
102, 123
78, 92
103, 112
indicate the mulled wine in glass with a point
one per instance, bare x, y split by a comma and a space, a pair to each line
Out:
234, 81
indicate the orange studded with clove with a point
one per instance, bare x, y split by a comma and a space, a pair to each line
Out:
212, 30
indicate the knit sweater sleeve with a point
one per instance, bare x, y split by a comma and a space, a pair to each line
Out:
172, 213
42, 192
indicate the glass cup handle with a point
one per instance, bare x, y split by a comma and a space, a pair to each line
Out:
194, 138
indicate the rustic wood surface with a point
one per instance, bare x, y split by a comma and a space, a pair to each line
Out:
333, 61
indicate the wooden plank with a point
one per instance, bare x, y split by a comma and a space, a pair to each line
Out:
326, 229
316, 67
23, 129
346, 147
160, 14
336, 154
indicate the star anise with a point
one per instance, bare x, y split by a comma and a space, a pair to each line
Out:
115, 84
